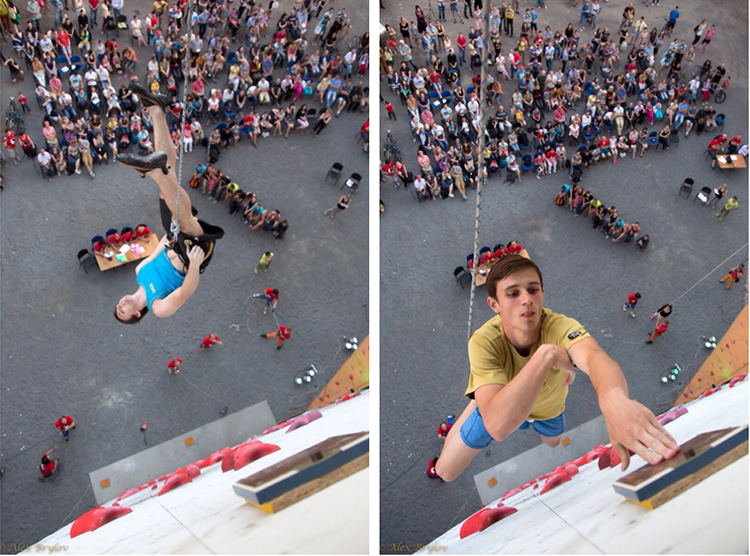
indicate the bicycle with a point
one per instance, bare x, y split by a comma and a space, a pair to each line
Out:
391, 152
13, 119
721, 96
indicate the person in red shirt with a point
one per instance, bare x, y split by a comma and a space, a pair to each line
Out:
63, 41
389, 109
100, 246
461, 43
715, 146
283, 333
114, 239
443, 430
210, 341
10, 145
23, 102
734, 144
174, 365
48, 467
64, 425
660, 329
735, 274
272, 298
631, 303
514, 248
128, 236
435, 80
142, 231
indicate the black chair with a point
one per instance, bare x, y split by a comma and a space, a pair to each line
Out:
687, 187
352, 182
462, 277
335, 172
674, 138
704, 194
86, 259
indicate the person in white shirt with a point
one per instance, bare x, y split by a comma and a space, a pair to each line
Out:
136, 29
45, 162
91, 77
103, 75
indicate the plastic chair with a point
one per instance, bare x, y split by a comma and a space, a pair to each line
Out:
720, 119
469, 90
687, 187
589, 132
110, 232
335, 172
523, 141
353, 182
653, 138
704, 194
446, 96
527, 162
75, 61
85, 259
434, 97
461, 276
62, 65
674, 138
483, 250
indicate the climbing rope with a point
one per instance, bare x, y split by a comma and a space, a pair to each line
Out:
174, 227
481, 174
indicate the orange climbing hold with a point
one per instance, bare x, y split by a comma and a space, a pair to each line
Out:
483, 519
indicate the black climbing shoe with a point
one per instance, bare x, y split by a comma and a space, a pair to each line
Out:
144, 164
148, 98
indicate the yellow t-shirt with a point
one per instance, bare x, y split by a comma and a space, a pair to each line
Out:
494, 360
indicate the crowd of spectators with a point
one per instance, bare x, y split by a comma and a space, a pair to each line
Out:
248, 71
581, 202
608, 95
210, 180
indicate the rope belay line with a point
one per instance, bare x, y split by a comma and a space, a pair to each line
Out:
175, 226
481, 175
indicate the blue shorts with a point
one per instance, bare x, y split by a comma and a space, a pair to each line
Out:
476, 436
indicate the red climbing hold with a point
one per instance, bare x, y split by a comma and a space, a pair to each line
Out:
571, 469
95, 518
127, 493
176, 480
193, 470
483, 519
250, 453
554, 481
604, 460
227, 464
303, 420
614, 458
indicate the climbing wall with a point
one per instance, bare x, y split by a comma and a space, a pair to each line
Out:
728, 360
353, 375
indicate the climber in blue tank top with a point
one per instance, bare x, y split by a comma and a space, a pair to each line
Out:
169, 276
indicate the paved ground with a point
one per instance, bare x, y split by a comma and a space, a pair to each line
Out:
423, 335
62, 350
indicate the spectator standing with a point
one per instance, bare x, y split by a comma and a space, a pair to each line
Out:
210, 341
662, 313
281, 334
718, 194
47, 466
10, 143
35, 13
174, 365
265, 262
734, 276
343, 204
659, 329
729, 206
631, 302
64, 425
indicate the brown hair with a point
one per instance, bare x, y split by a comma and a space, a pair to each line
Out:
134, 319
510, 264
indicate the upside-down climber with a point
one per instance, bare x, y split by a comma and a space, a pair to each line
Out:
522, 362
169, 276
